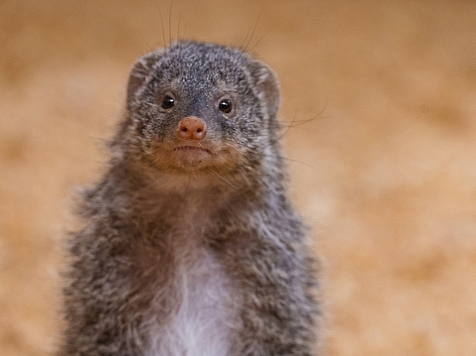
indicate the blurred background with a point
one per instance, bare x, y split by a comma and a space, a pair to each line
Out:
385, 172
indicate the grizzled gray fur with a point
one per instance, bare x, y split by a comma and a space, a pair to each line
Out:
190, 245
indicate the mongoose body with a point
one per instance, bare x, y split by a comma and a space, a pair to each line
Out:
190, 244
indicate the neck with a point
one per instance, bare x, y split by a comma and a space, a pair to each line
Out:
207, 191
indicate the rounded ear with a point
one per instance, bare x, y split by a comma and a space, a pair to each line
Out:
140, 72
267, 84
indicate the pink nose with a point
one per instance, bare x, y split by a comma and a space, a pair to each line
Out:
192, 128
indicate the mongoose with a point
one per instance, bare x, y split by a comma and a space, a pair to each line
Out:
190, 245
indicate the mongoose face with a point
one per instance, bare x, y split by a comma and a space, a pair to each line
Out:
198, 107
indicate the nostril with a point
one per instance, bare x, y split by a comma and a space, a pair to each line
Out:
192, 128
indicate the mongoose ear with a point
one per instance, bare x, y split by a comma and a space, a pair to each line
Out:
139, 73
267, 83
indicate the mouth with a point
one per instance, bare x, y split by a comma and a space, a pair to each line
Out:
191, 155
191, 149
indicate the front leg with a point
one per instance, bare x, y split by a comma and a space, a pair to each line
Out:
107, 295
279, 312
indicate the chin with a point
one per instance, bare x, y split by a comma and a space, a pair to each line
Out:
191, 156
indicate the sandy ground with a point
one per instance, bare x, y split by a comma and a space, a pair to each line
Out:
385, 174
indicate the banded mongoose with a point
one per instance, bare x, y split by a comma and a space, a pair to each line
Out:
190, 245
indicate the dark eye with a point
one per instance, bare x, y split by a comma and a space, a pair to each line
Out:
168, 102
225, 106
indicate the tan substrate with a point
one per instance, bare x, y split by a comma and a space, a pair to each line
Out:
386, 174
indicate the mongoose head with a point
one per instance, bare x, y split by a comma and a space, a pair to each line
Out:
202, 108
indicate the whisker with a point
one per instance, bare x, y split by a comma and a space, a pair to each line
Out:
153, 182
295, 123
141, 51
155, 160
188, 185
292, 160
162, 24
306, 129
303, 122
318, 116
252, 33
222, 178
170, 22
257, 42
246, 38
185, 30
200, 144
287, 129
178, 26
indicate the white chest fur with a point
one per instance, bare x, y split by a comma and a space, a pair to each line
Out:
203, 318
